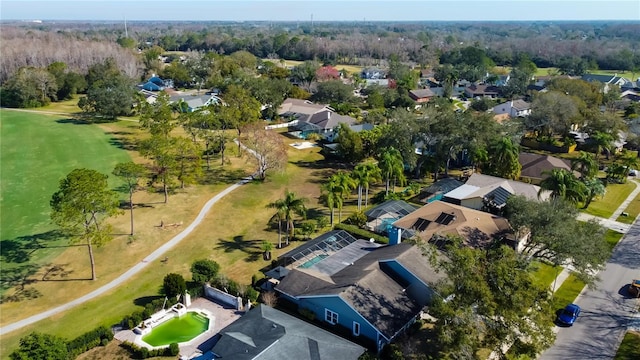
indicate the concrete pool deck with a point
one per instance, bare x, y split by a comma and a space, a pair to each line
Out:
219, 316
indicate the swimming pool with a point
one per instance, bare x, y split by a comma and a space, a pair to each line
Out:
178, 329
313, 261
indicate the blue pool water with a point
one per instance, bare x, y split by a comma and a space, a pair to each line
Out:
313, 261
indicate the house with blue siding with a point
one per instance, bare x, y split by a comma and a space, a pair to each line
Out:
374, 291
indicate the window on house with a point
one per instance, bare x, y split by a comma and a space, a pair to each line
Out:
356, 328
330, 316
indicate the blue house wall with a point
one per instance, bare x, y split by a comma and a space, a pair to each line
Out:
416, 288
346, 314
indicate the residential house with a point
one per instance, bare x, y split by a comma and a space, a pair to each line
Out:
514, 108
482, 90
293, 109
377, 82
535, 167
264, 333
630, 95
437, 190
484, 192
380, 217
323, 122
438, 219
608, 81
192, 102
421, 95
373, 291
156, 84
373, 73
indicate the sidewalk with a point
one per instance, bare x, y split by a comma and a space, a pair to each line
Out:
611, 222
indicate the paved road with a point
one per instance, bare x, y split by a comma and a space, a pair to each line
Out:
607, 311
132, 271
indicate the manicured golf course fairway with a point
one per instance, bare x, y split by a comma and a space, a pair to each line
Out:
36, 151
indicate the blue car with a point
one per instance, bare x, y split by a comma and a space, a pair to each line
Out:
569, 314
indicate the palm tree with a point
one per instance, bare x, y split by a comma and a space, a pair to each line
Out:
286, 207
629, 162
392, 167
595, 188
332, 193
586, 165
504, 159
603, 141
564, 185
365, 174
347, 184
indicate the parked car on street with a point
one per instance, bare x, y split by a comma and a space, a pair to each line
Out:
569, 314
634, 288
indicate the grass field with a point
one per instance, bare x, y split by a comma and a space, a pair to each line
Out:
352, 69
615, 195
36, 152
544, 274
231, 235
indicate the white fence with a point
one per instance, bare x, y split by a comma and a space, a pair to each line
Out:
223, 297
278, 126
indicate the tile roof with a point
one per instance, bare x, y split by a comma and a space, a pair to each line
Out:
265, 333
476, 228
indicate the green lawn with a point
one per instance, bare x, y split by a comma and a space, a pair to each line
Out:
615, 195
632, 210
36, 152
612, 238
630, 347
544, 274
567, 292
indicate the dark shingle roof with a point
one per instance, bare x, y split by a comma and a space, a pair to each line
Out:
376, 293
265, 333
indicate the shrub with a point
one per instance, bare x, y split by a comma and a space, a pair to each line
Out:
204, 270
87, 341
358, 219
174, 349
252, 294
174, 285
361, 233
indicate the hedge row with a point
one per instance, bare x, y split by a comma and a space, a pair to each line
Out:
141, 352
87, 341
361, 233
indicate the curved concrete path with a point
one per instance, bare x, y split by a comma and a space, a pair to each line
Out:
132, 271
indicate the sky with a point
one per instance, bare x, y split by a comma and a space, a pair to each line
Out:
328, 10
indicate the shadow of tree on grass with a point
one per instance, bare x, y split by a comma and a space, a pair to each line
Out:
250, 247
20, 249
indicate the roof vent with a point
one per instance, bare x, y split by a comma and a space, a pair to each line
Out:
372, 240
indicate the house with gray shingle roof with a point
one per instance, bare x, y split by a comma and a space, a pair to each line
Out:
535, 167
608, 80
481, 189
190, 103
264, 333
514, 108
323, 122
374, 291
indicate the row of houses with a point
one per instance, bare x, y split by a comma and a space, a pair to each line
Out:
371, 293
